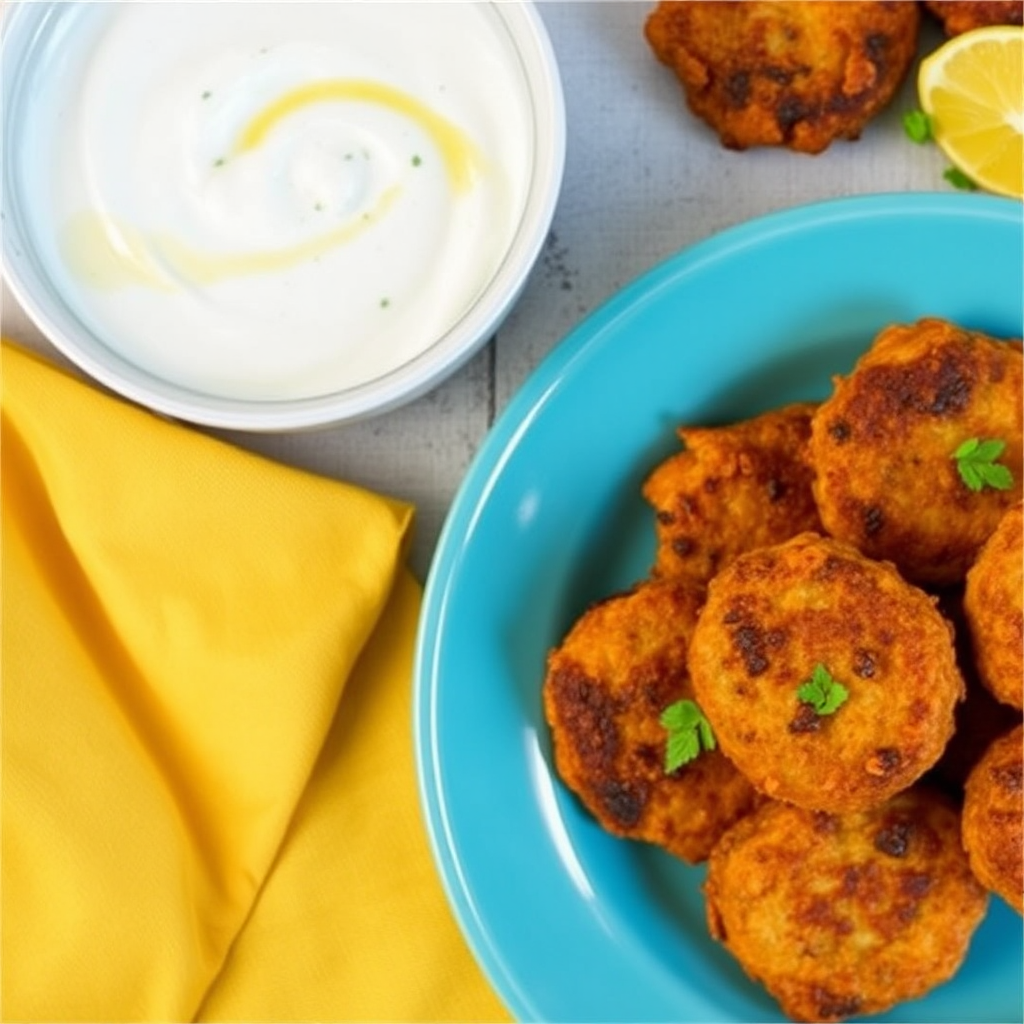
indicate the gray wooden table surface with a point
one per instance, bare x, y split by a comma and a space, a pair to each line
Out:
643, 179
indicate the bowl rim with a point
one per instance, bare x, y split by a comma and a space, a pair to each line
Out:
30, 285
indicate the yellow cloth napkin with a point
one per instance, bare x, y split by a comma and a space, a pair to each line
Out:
209, 806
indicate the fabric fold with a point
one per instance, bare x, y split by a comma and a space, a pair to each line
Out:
180, 619
353, 923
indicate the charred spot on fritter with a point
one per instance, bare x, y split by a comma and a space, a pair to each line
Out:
781, 75
683, 546
752, 642
936, 386
894, 838
623, 802
789, 111
840, 431
864, 663
884, 762
916, 884
737, 88
832, 1006
874, 520
587, 713
806, 719
749, 642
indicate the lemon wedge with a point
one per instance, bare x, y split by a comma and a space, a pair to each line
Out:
972, 89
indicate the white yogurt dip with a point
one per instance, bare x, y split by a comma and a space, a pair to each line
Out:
283, 200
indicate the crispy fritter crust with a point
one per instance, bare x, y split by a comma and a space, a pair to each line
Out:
733, 488
772, 73
882, 444
994, 610
619, 667
963, 15
992, 818
843, 915
980, 719
776, 613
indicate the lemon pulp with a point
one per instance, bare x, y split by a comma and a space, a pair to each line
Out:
972, 88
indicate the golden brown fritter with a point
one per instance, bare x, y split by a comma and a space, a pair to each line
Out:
779, 616
994, 610
882, 446
733, 488
959, 16
841, 915
992, 819
622, 663
772, 73
979, 718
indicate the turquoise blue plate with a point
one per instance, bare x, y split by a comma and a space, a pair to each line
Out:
569, 923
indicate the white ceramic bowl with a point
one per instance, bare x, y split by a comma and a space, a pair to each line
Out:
33, 35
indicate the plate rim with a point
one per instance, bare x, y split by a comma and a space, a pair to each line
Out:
501, 440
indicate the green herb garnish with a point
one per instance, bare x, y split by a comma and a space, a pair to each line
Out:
689, 732
977, 466
958, 179
918, 126
825, 694
417, 160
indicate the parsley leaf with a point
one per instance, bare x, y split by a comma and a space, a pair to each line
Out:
958, 179
689, 732
822, 692
918, 126
977, 466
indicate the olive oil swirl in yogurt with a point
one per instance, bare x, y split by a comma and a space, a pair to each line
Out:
252, 225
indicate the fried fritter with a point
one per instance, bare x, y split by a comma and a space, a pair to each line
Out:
815, 611
841, 915
621, 664
994, 610
775, 73
979, 718
992, 819
733, 488
959, 16
882, 446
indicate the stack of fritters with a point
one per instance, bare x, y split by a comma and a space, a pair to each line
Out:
811, 563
